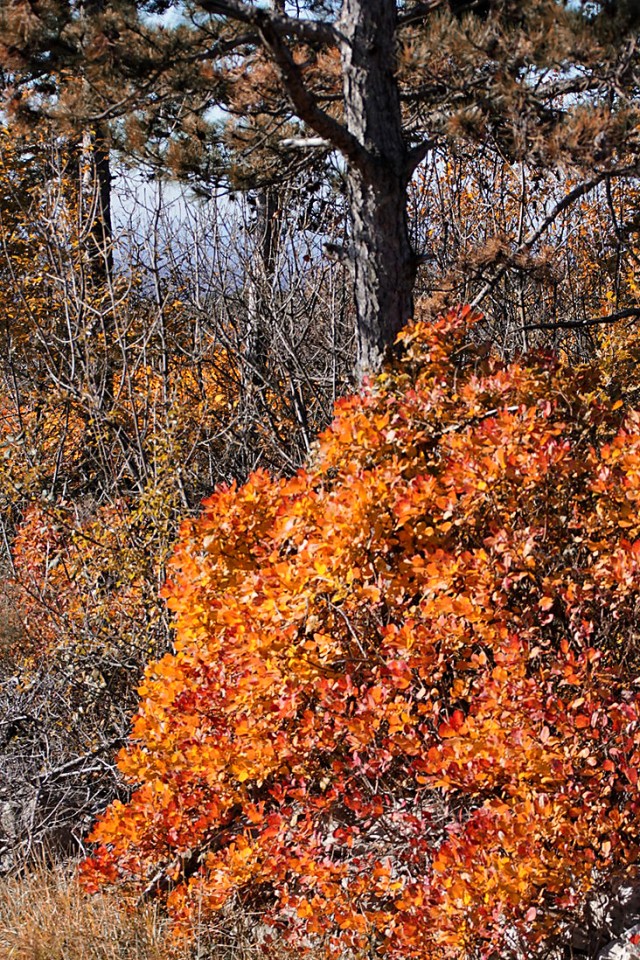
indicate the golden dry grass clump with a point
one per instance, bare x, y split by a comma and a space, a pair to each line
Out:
46, 915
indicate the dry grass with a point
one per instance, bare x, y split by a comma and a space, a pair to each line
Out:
47, 916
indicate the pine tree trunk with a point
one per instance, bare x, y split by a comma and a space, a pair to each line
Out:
384, 262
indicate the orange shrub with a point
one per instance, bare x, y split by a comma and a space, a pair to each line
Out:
402, 713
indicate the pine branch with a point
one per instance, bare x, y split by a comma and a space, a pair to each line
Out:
272, 28
419, 153
304, 101
419, 11
299, 28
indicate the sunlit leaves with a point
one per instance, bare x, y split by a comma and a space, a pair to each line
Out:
401, 709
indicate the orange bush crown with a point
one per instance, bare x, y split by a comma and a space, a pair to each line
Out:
402, 708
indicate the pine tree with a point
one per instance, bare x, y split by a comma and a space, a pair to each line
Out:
380, 82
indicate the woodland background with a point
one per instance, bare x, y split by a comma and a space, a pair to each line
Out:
177, 311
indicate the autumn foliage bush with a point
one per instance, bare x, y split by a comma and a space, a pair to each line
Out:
402, 711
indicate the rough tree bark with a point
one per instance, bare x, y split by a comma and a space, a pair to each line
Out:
384, 261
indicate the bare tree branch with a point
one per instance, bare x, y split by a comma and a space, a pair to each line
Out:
627, 314
579, 191
305, 143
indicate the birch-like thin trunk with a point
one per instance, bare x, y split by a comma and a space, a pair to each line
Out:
260, 280
98, 232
